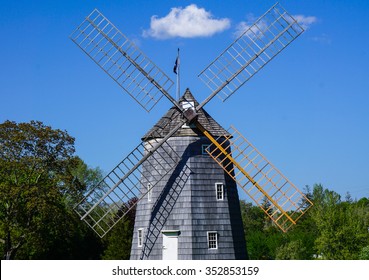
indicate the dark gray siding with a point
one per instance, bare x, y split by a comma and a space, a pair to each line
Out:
185, 200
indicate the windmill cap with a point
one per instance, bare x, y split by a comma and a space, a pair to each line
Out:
173, 117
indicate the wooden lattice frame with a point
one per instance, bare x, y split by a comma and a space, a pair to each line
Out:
281, 200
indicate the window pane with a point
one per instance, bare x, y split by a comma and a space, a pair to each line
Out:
219, 191
149, 193
139, 237
212, 240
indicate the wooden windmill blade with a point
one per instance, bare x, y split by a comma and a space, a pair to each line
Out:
122, 60
122, 188
280, 199
119, 191
248, 54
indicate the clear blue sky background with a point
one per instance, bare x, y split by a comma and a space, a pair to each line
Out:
307, 111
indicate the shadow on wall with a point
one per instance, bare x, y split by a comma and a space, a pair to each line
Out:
165, 204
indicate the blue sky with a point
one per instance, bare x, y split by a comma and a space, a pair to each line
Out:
306, 111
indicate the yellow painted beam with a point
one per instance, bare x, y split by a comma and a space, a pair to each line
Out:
225, 153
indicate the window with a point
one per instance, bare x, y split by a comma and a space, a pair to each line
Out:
203, 148
186, 105
139, 237
219, 191
186, 125
212, 240
149, 191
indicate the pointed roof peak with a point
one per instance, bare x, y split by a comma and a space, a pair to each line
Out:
187, 96
173, 117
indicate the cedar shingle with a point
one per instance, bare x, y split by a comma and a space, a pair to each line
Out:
172, 118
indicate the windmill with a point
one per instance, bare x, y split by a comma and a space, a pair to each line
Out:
158, 175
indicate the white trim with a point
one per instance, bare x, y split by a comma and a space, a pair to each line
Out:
149, 191
210, 245
186, 125
186, 105
216, 191
140, 232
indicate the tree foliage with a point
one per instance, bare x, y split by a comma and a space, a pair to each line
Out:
364, 253
38, 178
119, 240
332, 229
342, 225
33, 160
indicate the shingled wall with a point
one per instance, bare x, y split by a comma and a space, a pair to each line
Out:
185, 200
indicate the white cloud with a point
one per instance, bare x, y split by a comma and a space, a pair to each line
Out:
241, 27
305, 21
244, 25
187, 22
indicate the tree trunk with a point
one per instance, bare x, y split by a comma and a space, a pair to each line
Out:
7, 247
10, 250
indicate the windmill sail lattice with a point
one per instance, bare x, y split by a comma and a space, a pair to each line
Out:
110, 200
265, 184
258, 45
122, 188
121, 60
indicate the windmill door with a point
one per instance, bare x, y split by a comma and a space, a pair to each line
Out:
170, 245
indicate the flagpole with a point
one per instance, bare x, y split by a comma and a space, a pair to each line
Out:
178, 77
176, 71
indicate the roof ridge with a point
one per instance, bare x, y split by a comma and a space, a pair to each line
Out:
173, 116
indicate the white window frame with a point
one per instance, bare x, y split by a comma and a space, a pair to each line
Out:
212, 237
186, 125
140, 237
203, 147
185, 105
149, 191
219, 194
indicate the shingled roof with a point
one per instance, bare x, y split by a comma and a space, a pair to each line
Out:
172, 118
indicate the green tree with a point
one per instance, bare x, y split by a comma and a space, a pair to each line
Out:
262, 237
33, 160
364, 253
253, 223
300, 239
331, 229
252, 217
119, 240
293, 250
342, 226
38, 178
